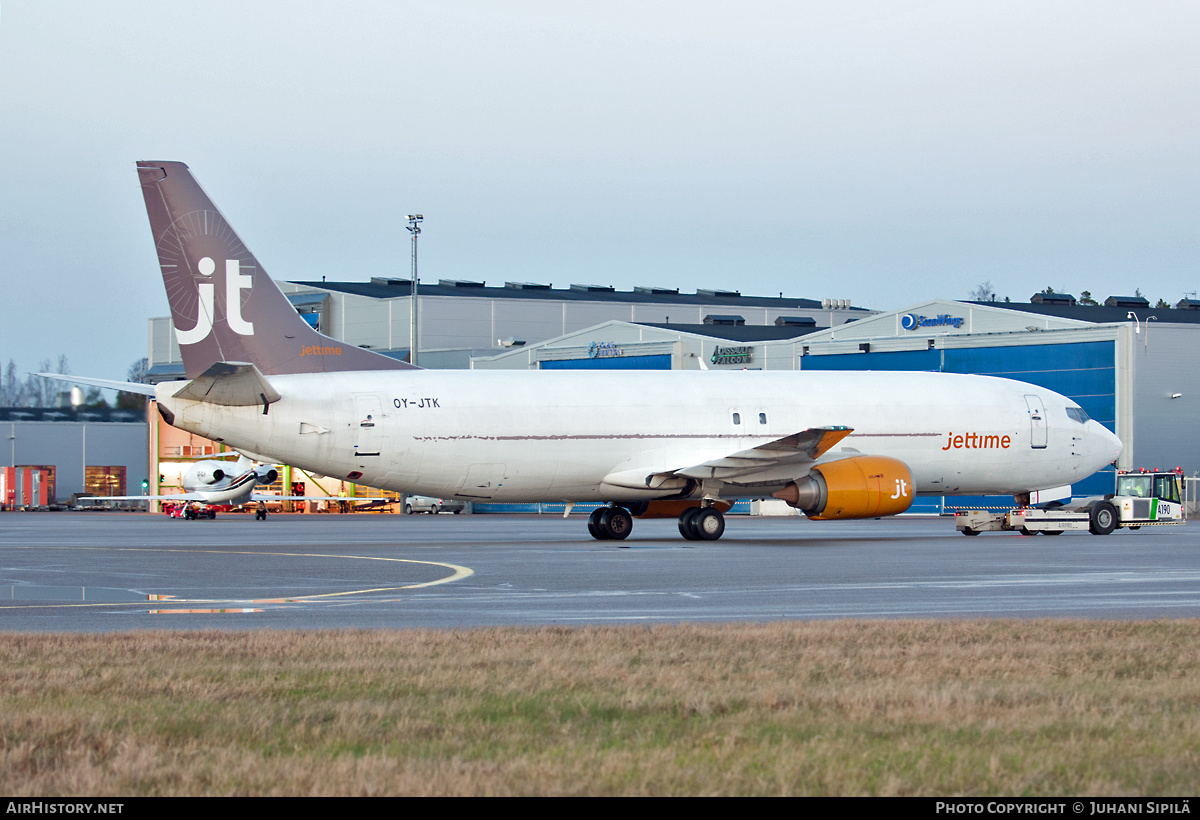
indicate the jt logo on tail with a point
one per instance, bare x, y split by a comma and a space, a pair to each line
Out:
235, 281
246, 319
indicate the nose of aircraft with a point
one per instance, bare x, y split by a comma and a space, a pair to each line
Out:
1103, 443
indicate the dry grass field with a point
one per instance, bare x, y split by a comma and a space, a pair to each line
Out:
845, 707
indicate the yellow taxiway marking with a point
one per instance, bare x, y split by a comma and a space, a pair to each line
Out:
197, 611
457, 574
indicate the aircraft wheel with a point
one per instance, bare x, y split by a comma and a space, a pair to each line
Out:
1103, 518
408, 509
969, 531
687, 524
617, 523
594, 524
709, 524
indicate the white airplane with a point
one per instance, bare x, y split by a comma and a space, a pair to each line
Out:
678, 443
213, 481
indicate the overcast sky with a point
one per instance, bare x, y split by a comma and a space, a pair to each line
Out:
882, 152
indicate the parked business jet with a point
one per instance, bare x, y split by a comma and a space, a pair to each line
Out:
679, 443
212, 481
217, 482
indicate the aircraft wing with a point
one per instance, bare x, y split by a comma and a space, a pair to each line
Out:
799, 448
331, 498
764, 462
206, 498
97, 499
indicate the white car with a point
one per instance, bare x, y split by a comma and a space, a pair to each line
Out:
431, 505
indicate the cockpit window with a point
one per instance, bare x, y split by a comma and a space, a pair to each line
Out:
1078, 414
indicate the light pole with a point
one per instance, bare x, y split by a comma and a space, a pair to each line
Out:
414, 227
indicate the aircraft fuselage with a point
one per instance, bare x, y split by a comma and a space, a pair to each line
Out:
557, 435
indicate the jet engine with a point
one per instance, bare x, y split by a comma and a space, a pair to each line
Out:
266, 475
855, 487
208, 472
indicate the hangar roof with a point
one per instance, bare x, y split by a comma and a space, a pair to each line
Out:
1098, 314
738, 333
76, 414
379, 288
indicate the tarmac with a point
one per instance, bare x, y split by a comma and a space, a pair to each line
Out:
76, 571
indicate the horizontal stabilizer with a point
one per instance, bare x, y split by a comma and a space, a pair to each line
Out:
232, 384
109, 384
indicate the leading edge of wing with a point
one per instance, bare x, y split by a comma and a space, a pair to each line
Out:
798, 448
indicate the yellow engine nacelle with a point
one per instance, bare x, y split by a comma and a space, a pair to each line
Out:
855, 487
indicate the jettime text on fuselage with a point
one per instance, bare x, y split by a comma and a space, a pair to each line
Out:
977, 441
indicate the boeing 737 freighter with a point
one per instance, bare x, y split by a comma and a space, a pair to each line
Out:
685, 443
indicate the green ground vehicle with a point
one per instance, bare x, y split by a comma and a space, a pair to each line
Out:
1143, 498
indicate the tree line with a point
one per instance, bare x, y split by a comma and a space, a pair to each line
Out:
38, 391
985, 293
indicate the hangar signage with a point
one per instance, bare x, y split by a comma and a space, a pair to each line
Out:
742, 354
604, 350
911, 321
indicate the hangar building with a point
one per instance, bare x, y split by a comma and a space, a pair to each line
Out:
97, 451
458, 319
1124, 363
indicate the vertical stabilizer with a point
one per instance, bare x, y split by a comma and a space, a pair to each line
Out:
223, 305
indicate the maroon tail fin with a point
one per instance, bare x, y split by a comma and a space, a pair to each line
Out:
224, 306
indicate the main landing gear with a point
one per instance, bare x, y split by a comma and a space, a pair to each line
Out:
614, 523
610, 523
702, 524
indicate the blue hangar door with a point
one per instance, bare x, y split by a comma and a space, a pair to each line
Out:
662, 362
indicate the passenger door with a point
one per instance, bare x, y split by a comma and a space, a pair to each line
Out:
1037, 422
368, 435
